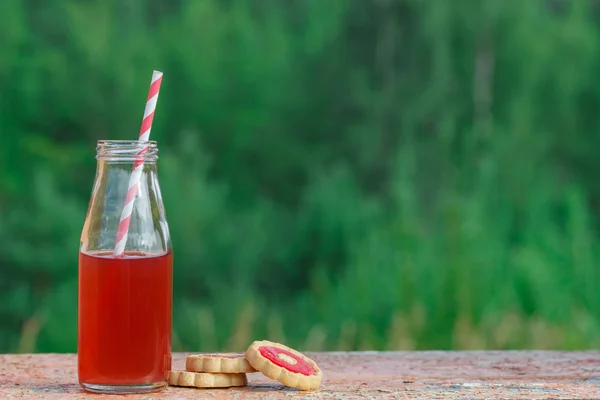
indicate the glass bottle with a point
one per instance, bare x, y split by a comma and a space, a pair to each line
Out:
125, 301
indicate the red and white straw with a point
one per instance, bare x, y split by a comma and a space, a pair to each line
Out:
138, 165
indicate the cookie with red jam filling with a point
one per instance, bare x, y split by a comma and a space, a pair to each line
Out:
284, 364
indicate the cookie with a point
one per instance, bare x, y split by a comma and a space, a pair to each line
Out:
228, 363
204, 380
285, 365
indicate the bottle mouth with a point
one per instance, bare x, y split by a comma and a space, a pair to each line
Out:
126, 150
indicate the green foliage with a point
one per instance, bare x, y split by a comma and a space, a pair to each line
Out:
337, 174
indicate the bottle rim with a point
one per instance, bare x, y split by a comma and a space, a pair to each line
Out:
126, 150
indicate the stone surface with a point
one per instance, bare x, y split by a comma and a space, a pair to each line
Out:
387, 375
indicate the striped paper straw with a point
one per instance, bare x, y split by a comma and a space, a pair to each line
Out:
138, 165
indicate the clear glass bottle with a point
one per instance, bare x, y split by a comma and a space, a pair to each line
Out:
125, 302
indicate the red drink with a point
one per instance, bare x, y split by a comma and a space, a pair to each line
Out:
125, 316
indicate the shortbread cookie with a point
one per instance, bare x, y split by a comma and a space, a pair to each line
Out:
285, 365
228, 363
204, 380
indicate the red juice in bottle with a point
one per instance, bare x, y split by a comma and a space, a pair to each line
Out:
125, 302
125, 312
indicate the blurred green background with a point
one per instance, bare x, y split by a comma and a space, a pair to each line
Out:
338, 174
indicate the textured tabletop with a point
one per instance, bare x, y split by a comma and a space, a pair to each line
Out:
390, 375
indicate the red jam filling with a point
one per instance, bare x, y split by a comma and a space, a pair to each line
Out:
287, 360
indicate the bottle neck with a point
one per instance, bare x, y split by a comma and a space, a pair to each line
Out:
118, 166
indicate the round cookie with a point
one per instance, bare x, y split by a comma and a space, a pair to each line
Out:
284, 364
204, 380
229, 363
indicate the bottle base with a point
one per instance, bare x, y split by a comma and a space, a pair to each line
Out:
124, 389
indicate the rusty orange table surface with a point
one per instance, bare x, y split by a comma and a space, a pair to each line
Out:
356, 375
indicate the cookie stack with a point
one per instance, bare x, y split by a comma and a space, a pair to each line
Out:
274, 360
